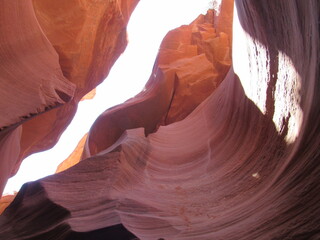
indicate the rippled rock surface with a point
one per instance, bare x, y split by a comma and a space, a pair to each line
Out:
52, 54
243, 163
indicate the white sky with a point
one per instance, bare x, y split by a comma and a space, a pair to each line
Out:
149, 23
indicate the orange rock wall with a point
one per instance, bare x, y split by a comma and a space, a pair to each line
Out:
74, 157
244, 164
32, 81
200, 57
53, 53
192, 62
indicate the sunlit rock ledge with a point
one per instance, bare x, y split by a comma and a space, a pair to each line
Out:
213, 148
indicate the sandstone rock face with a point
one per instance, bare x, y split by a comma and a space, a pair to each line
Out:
200, 57
88, 36
5, 202
9, 152
53, 53
192, 62
30, 76
90, 95
27, 54
74, 157
242, 165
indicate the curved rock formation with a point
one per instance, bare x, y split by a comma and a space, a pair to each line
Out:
53, 53
5, 201
242, 165
192, 61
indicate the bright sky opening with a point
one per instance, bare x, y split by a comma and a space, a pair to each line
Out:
149, 23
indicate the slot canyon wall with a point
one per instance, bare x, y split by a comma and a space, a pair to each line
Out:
52, 54
223, 142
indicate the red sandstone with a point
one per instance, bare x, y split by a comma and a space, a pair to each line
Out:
233, 158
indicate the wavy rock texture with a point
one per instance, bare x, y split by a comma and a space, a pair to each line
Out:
192, 62
53, 53
242, 165
27, 54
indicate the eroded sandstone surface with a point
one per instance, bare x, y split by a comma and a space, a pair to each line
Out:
52, 54
208, 150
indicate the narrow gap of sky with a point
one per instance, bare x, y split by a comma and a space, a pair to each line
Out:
149, 23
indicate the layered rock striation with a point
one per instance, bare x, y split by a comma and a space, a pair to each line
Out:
229, 154
192, 62
52, 54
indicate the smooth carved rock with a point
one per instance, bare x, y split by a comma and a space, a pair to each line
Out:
88, 36
85, 55
243, 165
192, 62
9, 152
53, 53
31, 78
